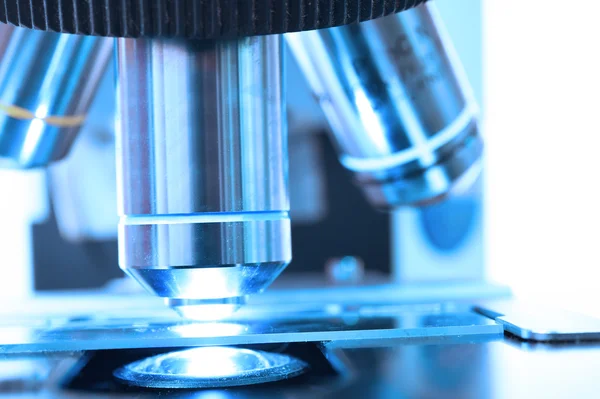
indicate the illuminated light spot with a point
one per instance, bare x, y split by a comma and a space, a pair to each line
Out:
207, 330
210, 367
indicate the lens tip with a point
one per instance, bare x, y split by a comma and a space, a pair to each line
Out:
206, 309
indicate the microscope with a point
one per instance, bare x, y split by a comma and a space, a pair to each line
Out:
203, 198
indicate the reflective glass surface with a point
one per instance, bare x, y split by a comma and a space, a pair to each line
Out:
204, 367
341, 325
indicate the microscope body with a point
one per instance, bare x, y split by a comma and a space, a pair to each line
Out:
202, 145
358, 162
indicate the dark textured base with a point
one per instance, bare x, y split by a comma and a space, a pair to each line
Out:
200, 19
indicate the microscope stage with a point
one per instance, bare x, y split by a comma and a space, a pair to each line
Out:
384, 349
336, 325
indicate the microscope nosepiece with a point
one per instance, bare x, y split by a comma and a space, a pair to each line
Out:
202, 167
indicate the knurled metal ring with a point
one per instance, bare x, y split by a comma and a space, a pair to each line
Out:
200, 19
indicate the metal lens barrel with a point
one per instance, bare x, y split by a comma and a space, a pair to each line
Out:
398, 104
47, 83
202, 167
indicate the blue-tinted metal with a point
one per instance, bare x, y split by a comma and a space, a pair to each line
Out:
202, 167
399, 106
47, 83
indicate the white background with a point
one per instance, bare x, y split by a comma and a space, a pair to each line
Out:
542, 130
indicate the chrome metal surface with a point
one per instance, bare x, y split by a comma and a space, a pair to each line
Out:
210, 367
202, 166
336, 324
541, 323
47, 83
398, 104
